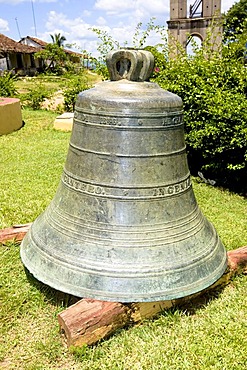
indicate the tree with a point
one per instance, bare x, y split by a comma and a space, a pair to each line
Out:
58, 39
235, 21
54, 56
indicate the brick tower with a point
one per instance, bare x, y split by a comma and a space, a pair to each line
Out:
183, 25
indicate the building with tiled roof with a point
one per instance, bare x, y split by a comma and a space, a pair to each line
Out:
17, 57
35, 42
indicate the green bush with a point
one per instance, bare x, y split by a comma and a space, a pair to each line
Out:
56, 57
213, 87
213, 90
74, 86
7, 86
36, 96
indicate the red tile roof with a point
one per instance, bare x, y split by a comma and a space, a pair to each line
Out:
38, 41
43, 44
9, 45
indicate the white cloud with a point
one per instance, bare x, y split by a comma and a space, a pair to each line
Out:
154, 6
78, 31
227, 4
60, 20
146, 7
112, 7
4, 26
123, 17
141, 7
118, 19
101, 21
86, 13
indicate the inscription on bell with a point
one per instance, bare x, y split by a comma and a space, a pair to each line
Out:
177, 120
173, 119
173, 189
124, 193
97, 119
82, 186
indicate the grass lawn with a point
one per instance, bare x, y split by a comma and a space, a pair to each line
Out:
50, 82
211, 334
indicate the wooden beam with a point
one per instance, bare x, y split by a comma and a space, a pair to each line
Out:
15, 233
89, 320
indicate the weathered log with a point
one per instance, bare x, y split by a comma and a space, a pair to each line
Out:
237, 259
89, 320
16, 233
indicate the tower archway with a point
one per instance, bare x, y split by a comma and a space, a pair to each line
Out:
193, 41
194, 20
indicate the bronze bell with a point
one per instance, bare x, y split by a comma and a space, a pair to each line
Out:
124, 224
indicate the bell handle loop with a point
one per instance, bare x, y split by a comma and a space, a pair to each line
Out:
132, 65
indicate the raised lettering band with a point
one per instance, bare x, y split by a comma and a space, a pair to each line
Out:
119, 192
159, 120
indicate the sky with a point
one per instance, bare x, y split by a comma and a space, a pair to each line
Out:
74, 19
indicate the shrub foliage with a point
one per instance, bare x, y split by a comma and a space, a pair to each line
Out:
213, 87
74, 86
213, 91
7, 86
36, 96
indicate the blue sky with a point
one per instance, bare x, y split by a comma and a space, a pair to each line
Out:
74, 18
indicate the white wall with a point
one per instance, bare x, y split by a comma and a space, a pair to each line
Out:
3, 64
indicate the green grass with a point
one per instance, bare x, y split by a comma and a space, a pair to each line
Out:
23, 84
50, 82
31, 164
226, 210
205, 335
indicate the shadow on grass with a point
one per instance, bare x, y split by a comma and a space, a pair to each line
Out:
199, 302
58, 298
53, 296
